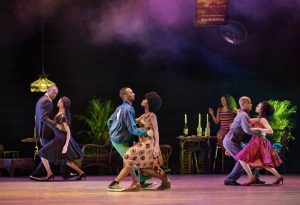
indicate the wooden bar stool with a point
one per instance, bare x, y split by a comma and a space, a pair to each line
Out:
219, 149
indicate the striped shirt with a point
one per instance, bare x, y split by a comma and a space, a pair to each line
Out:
226, 118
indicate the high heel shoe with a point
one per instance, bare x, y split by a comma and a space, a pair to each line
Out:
252, 181
51, 177
278, 180
81, 177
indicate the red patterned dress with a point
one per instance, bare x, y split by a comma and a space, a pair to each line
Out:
140, 155
259, 152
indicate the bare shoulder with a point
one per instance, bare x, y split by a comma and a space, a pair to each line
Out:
263, 120
152, 116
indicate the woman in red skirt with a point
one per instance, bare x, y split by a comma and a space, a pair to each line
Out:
259, 153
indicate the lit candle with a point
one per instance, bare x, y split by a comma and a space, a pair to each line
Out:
185, 119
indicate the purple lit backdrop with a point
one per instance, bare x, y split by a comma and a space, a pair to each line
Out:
95, 47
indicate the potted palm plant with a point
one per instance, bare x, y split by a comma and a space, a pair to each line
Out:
95, 120
282, 119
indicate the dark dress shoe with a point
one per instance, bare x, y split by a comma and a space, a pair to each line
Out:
81, 176
234, 183
42, 178
249, 183
71, 175
258, 181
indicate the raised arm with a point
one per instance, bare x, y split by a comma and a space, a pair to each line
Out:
216, 118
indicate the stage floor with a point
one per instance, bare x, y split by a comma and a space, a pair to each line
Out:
186, 189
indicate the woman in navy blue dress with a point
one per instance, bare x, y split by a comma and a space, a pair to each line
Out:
63, 146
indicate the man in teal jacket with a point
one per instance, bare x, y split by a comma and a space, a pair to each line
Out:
123, 130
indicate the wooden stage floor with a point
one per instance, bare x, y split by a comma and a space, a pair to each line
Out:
186, 189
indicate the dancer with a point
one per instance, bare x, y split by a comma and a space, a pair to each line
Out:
43, 116
63, 146
225, 114
233, 140
258, 151
122, 132
146, 153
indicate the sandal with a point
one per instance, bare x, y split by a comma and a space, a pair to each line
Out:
164, 185
135, 186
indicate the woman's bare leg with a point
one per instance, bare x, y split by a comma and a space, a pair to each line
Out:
248, 170
273, 171
47, 166
153, 173
133, 175
74, 166
123, 173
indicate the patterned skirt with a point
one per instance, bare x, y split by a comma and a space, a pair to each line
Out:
140, 155
259, 153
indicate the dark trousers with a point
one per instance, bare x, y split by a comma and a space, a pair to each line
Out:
233, 148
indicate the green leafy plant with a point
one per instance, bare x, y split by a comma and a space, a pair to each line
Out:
282, 119
95, 120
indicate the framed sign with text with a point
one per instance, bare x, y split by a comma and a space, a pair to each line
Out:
211, 12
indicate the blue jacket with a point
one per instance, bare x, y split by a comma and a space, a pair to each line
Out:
122, 126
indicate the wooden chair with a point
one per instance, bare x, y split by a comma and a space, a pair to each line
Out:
97, 155
166, 151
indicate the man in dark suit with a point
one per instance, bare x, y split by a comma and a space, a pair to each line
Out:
44, 115
233, 140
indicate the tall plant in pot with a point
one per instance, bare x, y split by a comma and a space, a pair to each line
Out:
95, 120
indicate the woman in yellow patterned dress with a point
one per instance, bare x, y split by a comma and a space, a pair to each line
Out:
145, 154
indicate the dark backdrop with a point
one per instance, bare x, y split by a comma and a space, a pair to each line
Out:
93, 48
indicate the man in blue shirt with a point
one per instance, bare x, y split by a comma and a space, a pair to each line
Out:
122, 128
233, 140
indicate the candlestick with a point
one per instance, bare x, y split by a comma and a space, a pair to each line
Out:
185, 128
199, 129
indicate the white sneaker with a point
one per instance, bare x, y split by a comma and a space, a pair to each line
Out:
115, 188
